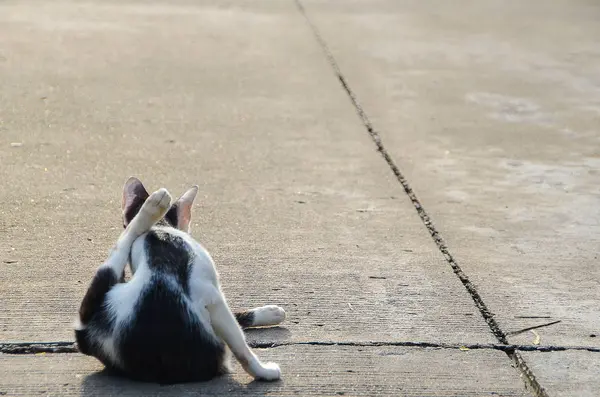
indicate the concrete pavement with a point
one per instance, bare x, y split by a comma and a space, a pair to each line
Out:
297, 206
311, 371
491, 114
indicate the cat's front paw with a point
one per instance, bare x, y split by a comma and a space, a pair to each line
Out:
268, 372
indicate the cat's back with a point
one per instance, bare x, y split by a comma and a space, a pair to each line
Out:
165, 339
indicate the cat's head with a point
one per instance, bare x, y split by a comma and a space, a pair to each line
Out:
178, 216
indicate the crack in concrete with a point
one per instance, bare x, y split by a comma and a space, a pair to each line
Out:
71, 347
449, 346
38, 347
488, 316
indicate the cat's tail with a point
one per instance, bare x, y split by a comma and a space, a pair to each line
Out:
263, 316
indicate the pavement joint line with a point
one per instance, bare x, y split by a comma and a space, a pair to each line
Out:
528, 376
24, 348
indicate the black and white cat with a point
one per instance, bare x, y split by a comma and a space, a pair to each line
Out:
170, 323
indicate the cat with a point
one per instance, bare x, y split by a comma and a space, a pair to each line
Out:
170, 323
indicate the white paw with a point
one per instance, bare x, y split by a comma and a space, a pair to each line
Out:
268, 315
153, 209
268, 372
157, 205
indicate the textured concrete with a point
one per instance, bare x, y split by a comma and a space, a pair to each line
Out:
489, 108
566, 373
308, 371
491, 111
295, 204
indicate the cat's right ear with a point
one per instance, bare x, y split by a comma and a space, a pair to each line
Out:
184, 209
134, 195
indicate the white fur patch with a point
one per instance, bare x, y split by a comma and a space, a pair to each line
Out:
122, 298
107, 345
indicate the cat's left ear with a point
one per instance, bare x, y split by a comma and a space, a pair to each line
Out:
134, 195
184, 208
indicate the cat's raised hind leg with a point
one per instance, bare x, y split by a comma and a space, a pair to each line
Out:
264, 316
110, 272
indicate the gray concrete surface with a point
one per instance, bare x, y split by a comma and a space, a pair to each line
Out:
296, 206
567, 373
490, 113
311, 371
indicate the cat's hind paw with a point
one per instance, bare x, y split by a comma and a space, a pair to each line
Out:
158, 202
153, 209
268, 315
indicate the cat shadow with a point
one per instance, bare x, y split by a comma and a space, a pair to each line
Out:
107, 383
265, 336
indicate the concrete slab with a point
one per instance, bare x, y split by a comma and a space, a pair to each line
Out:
566, 373
308, 371
296, 206
491, 110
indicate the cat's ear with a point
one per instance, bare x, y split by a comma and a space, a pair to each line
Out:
184, 209
134, 195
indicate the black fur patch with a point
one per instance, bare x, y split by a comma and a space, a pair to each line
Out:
168, 253
93, 314
93, 300
166, 342
171, 216
245, 319
83, 342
